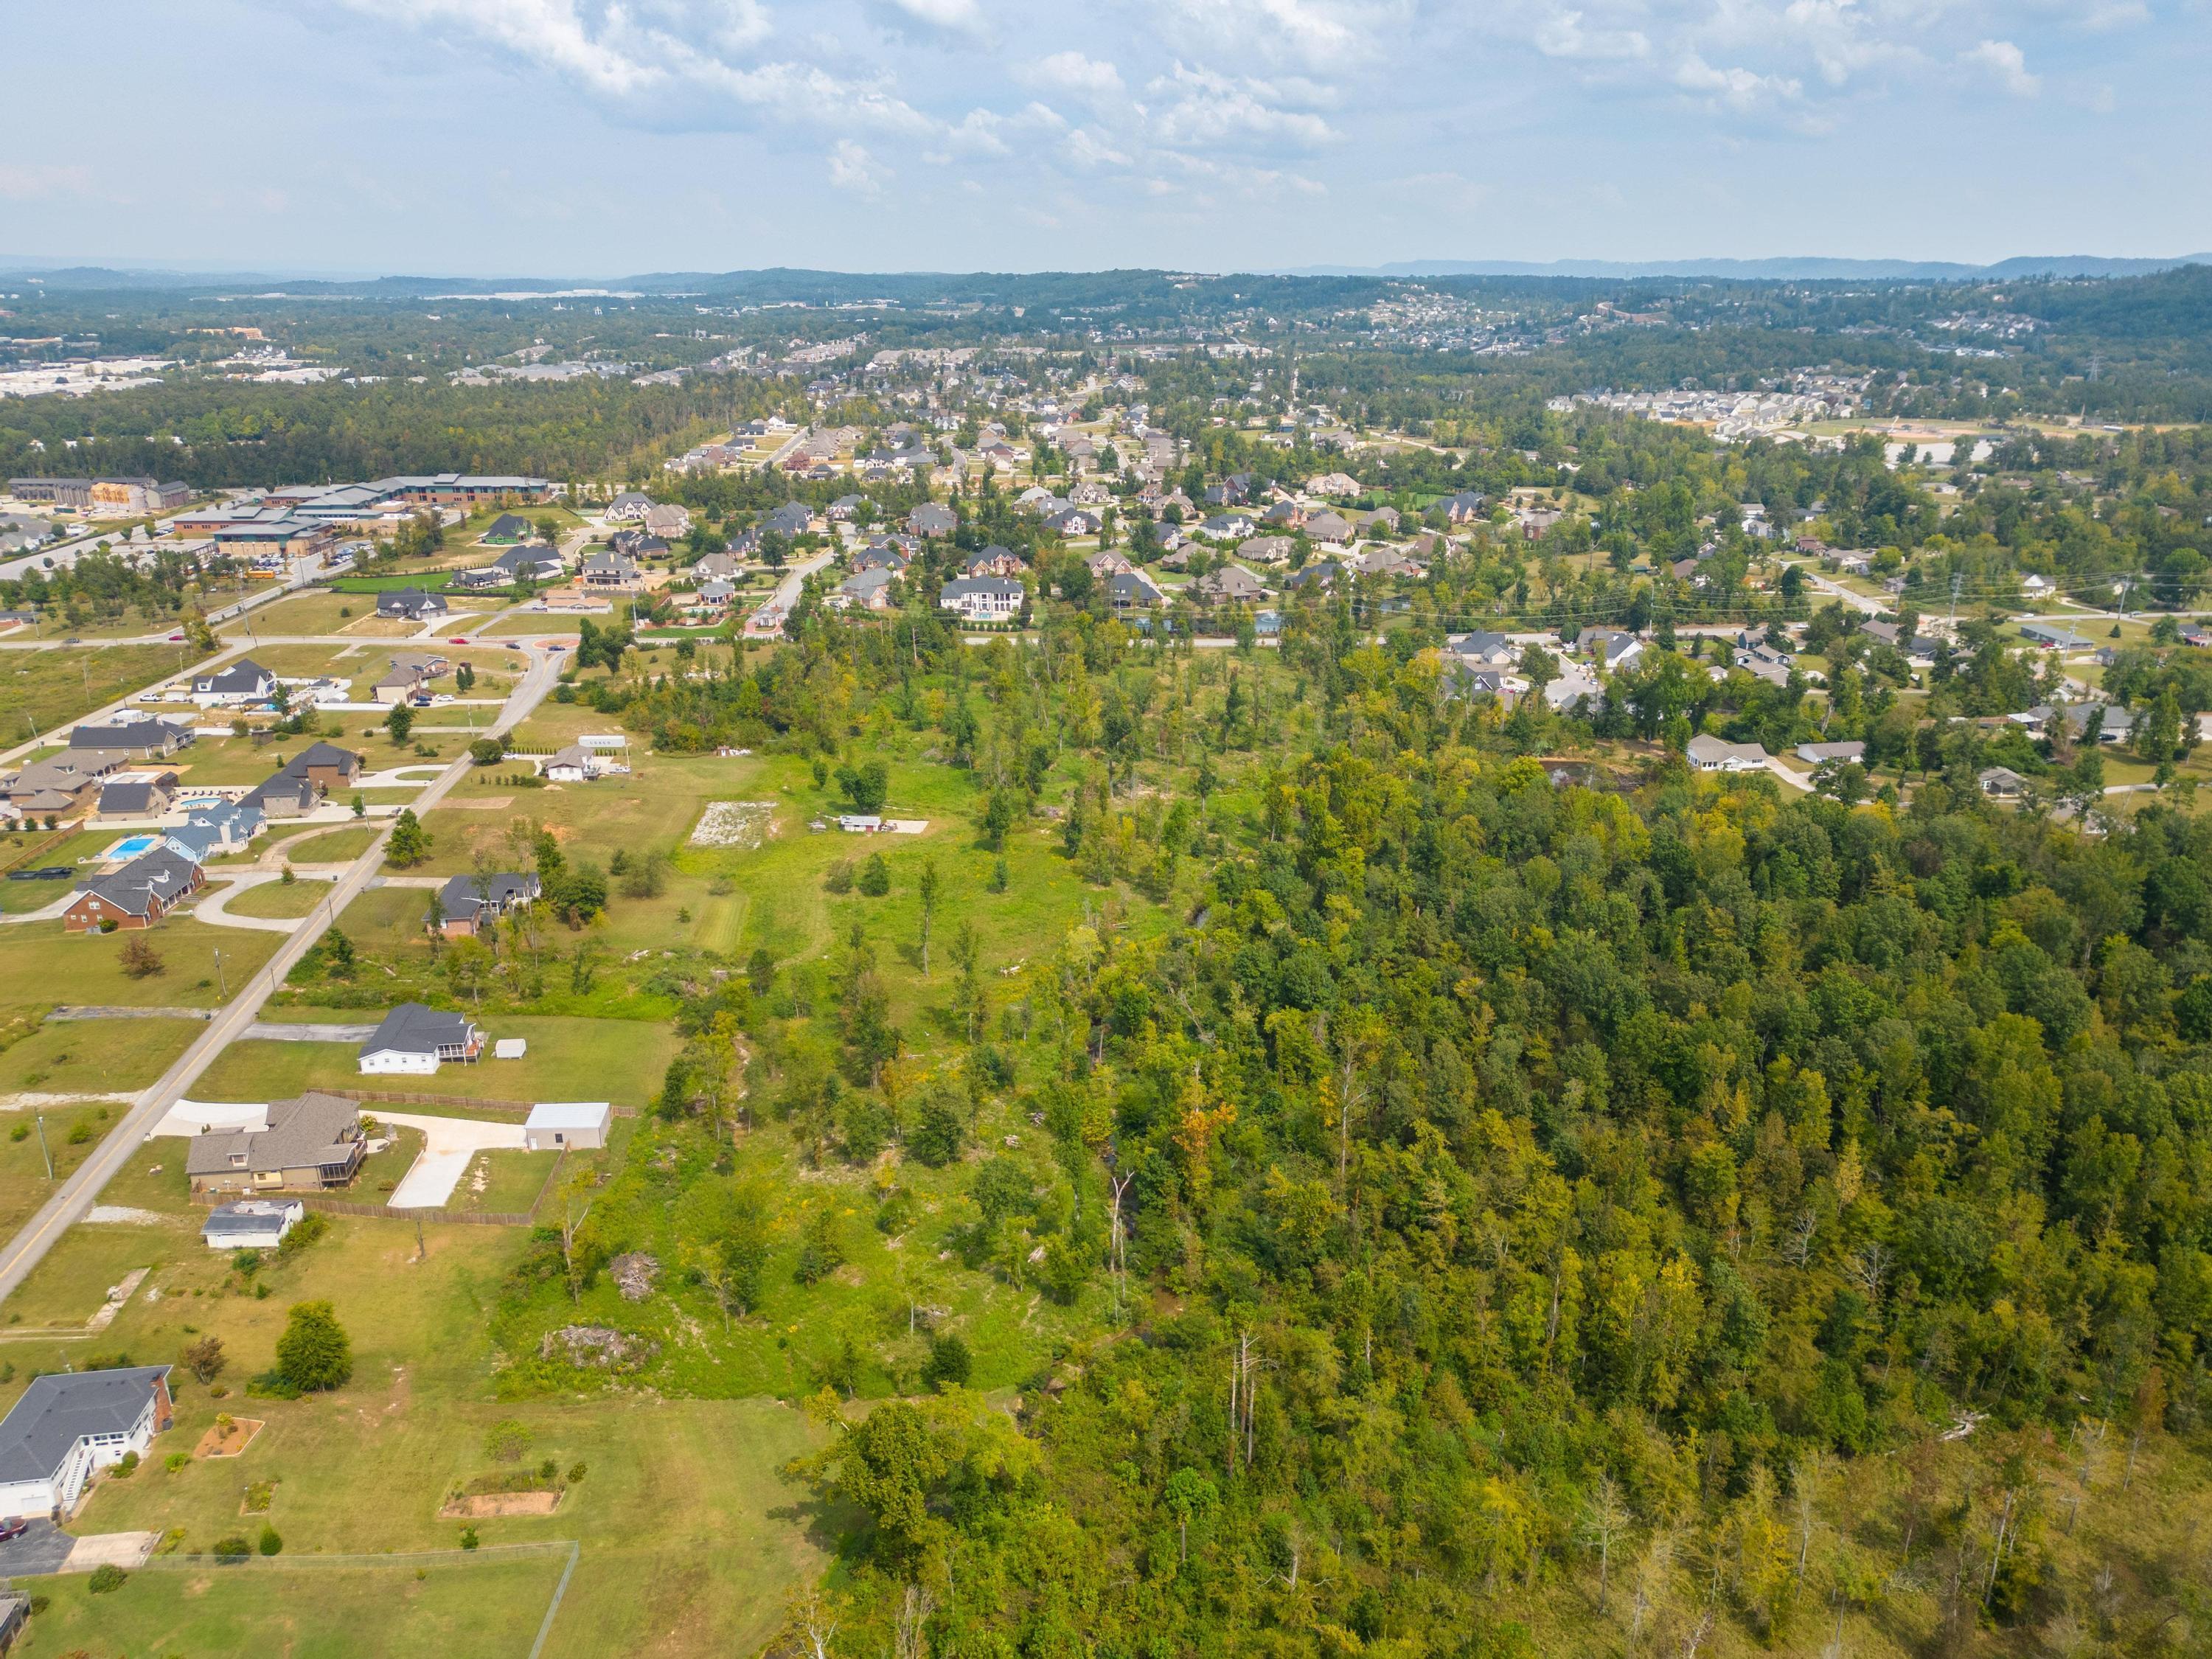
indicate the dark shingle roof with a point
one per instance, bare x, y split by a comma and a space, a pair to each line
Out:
56, 1411
301, 1133
413, 1028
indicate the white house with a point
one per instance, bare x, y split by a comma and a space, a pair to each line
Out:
558, 1126
70, 1423
243, 682
982, 598
1712, 754
251, 1223
417, 1039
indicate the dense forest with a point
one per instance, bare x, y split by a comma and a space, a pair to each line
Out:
1537, 1210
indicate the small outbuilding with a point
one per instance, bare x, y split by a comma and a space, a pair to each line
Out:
561, 1126
252, 1223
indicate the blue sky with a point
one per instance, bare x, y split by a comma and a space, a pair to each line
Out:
582, 138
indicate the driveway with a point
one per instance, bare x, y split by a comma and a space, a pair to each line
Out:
43, 1549
448, 1145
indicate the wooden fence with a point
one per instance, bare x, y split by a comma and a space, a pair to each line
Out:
386, 1213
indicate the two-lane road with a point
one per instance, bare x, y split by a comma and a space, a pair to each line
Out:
74, 1196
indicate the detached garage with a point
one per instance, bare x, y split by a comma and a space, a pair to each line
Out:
561, 1126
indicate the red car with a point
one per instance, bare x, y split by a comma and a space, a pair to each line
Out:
456, 641
175, 638
13, 1528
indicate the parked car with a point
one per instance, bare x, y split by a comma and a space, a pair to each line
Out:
15, 1527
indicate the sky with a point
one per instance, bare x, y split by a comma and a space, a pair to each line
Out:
588, 138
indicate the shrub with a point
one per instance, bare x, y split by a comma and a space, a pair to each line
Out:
940, 1132
469, 1539
140, 960
949, 1365
576, 1473
126, 1466
820, 1251
81, 1134
875, 876
488, 751
176, 1460
506, 1441
271, 1543
233, 1548
840, 878
106, 1578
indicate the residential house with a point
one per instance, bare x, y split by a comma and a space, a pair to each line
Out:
1711, 753
136, 896
2037, 587
1228, 584
865, 590
411, 604
574, 764
1462, 507
2052, 637
788, 520
1228, 526
2115, 725
251, 1223
1132, 590
630, 506
1073, 521
1327, 526
566, 1126
535, 562
2002, 783
506, 530
70, 1424
846, 508
610, 569
1323, 576
932, 519
713, 598
1483, 647
286, 794
1815, 753
1609, 647
327, 766
242, 684
408, 678
1335, 485
468, 904
994, 560
146, 739
717, 567
63, 782
1383, 520
212, 831
880, 556
1106, 562
303, 1145
982, 598
1266, 550
413, 1038
665, 521
143, 797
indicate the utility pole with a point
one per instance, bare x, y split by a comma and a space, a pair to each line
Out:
1955, 581
45, 1152
219, 980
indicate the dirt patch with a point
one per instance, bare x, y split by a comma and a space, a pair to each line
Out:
484, 1505
479, 804
598, 1346
635, 1275
219, 1441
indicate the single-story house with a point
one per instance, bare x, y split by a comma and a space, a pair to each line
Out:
308, 1143
1814, 753
536, 562
1483, 646
557, 1126
411, 604
136, 896
417, 1039
791, 519
2003, 783
1712, 754
242, 682
69, 1425
1229, 584
155, 739
1131, 590
468, 904
1608, 647
2052, 637
574, 764
251, 1223
63, 782
146, 798
506, 529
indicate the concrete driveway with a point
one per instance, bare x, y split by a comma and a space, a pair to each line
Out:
448, 1145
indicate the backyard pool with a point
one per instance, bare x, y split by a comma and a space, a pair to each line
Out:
130, 847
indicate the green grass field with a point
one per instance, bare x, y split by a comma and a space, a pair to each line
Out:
23, 1183
331, 846
276, 900
464, 1604
40, 965
92, 1056
47, 688
619, 1060
504, 1182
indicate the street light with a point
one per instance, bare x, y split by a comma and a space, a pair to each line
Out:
219, 979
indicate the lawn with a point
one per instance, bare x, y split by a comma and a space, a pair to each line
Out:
96, 1056
332, 846
23, 1184
279, 900
472, 1604
617, 1059
690, 1537
47, 688
317, 611
39, 965
504, 1182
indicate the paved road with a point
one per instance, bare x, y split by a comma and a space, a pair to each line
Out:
70, 1201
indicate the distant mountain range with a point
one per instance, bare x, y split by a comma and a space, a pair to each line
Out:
1772, 271
784, 282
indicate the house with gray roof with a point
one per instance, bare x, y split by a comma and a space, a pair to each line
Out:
141, 798
1485, 648
413, 1038
136, 896
251, 1223
69, 1425
468, 904
243, 682
155, 739
304, 1145
932, 519
411, 604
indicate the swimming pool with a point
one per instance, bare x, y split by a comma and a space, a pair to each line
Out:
131, 845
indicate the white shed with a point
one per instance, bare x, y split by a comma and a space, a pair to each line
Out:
558, 1126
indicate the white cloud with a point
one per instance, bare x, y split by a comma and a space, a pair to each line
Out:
1072, 72
22, 183
1562, 35
1203, 109
1324, 35
2008, 64
1087, 149
1739, 90
946, 16
852, 168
